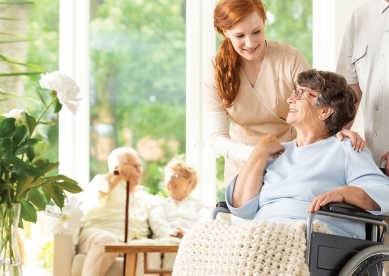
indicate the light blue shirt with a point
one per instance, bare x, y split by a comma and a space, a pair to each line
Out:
294, 179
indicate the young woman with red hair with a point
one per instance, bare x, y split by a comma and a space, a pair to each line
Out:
247, 84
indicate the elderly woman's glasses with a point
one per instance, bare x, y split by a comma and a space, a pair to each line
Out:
299, 92
176, 175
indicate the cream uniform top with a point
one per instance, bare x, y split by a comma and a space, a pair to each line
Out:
256, 111
364, 59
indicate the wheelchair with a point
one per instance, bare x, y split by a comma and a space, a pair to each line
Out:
331, 255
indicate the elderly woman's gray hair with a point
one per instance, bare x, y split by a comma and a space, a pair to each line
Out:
333, 92
119, 156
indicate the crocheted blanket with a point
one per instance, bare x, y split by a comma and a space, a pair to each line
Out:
256, 248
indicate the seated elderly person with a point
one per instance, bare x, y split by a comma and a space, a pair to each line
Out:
175, 215
105, 214
284, 181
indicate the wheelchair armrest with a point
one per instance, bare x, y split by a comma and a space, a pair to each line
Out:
344, 208
346, 211
335, 207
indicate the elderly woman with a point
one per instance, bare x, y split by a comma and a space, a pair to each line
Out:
284, 181
177, 214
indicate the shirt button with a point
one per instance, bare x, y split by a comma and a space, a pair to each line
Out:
379, 81
377, 108
382, 56
386, 31
375, 134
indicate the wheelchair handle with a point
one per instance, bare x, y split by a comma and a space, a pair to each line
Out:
221, 207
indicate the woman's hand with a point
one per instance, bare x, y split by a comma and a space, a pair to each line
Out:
323, 199
178, 233
271, 146
348, 194
385, 160
356, 140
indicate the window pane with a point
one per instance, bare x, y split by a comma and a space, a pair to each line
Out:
137, 82
291, 22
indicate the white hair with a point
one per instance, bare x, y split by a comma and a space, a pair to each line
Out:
119, 156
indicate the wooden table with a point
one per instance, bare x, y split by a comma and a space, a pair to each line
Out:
132, 250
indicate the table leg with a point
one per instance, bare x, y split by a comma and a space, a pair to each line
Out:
131, 260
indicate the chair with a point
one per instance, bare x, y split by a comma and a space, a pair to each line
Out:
328, 255
67, 262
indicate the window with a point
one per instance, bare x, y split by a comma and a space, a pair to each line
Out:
137, 83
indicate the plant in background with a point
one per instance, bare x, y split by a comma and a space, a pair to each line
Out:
26, 178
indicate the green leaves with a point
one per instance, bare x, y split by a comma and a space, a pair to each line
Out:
27, 211
37, 199
15, 161
7, 128
26, 177
29, 122
58, 106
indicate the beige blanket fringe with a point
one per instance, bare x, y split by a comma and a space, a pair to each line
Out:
257, 248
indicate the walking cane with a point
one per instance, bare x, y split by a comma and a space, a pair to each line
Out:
125, 221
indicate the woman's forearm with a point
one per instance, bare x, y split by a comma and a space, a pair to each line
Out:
220, 141
358, 197
249, 182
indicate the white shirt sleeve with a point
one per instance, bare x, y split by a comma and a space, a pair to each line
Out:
158, 223
219, 138
346, 65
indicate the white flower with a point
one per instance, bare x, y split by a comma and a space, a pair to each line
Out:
67, 221
65, 87
15, 113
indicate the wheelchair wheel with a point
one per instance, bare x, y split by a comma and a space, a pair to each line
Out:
366, 261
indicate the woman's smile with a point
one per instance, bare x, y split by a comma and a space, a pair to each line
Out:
251, 50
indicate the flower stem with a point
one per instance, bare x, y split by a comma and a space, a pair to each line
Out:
46, 108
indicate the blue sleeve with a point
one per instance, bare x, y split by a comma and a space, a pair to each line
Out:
247, 211
362, 172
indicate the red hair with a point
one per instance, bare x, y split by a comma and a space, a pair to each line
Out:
227, 68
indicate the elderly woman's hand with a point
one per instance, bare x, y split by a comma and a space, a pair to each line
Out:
270, 146
323, 199
178, 233
356, 140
